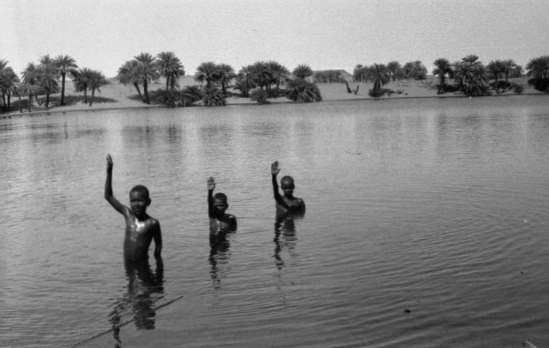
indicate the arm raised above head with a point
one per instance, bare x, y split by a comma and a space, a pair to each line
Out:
211, 187
275, 169
109, 197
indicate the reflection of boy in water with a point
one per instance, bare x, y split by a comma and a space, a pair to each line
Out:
142, 283
220, 222
287, 203
141, 229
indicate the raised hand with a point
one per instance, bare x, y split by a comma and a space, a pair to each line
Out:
211, 183
275, 169
109, 162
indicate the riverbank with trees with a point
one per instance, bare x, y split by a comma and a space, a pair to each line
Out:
160, 80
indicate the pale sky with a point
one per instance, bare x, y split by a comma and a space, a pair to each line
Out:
103, 34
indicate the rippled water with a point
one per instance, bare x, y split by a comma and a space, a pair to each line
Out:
427, 226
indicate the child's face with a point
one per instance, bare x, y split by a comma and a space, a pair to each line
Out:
220, 205
287, 188
139, 201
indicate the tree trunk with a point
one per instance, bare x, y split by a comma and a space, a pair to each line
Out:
92, 96
30, 102
20, 103
136, 85
167, 82
9, 101
63, 88
47, 99
86, 95
146, 92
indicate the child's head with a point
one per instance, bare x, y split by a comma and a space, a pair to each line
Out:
287, 185
139, 199
220, 202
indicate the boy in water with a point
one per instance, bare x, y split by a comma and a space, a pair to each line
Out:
141, 229
288, 203
220, 222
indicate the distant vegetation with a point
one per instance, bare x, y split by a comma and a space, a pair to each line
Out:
40, 80
260, 81
468, 76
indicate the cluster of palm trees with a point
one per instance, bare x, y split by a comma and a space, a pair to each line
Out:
470, 76
144, 68
47, 77
260, 80
262, 75
473, 78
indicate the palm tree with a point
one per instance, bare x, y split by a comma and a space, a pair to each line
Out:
244, 81
538, 71
147, 72
30, 81
95, 80
82, 79
8, 81
208, 72
278, 73
171, 68
471, 77
495, 68
395, 70
47, 77
128, 74
415, 70
302, 71
443, 68
64, 64
380, 76
262, 75
226, 74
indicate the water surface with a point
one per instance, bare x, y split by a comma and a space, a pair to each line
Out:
426, 226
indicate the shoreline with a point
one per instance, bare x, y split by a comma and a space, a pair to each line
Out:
59, 110
331, 92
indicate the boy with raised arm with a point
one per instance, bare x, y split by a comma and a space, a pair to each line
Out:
287, 203
141, 229
220, 222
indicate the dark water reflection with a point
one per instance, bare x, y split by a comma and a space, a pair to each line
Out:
426, 226
285, 236
137, 305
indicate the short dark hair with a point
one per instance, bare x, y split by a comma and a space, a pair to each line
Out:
287, 179
141, 188
221, 196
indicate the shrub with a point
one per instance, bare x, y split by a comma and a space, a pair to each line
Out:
213, 96
381, 91
302, 91
540, 84
259, 95
517, 88
500, 86
190, 95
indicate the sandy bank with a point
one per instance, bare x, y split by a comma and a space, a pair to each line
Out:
123, 96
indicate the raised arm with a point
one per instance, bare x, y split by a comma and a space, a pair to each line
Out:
157, 236
119, 207
211, 187
275, 169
